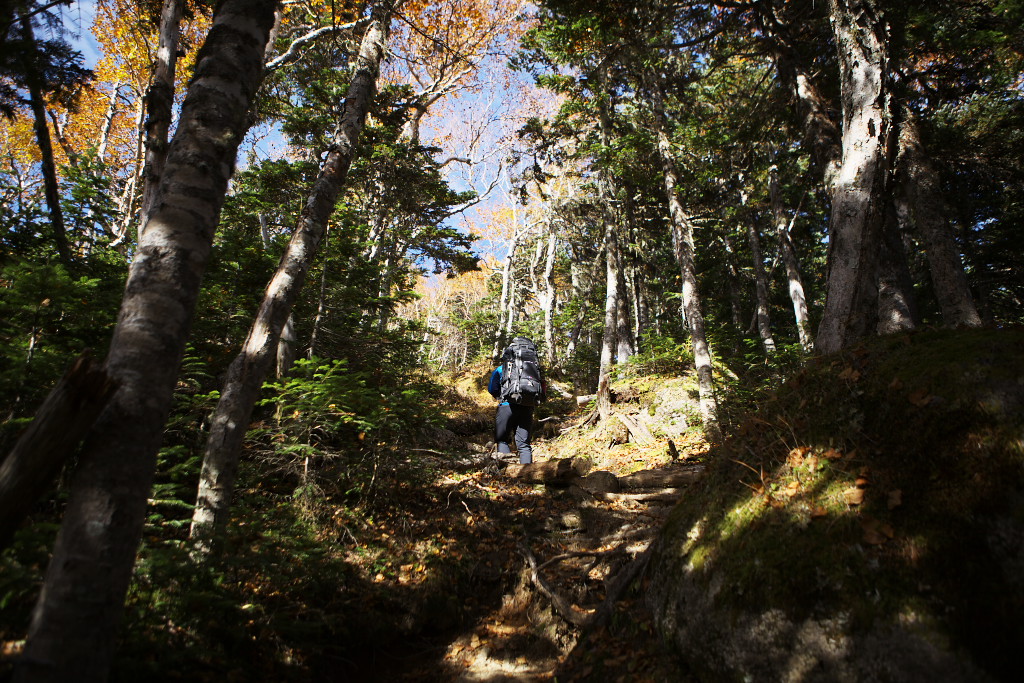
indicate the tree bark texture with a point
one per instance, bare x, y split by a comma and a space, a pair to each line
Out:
550, 299
59, 425
249, 369
51, 189
792, 263
159, 100
897, 306
682, 239
762, 312
923, 191
820, 129
611, 310
860, 193
73, 626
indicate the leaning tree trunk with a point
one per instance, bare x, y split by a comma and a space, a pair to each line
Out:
51, 190
682, 239
923, 191
860, 193
820, 130
159, 100
792, 263
247, 371
73, 626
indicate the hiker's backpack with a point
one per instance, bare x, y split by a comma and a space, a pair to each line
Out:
520, 374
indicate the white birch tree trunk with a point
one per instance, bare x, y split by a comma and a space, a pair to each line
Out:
682, 238
860, 193
762, 311
550, 299
611, 310
74, 622
247, 371
792, 263
159, 100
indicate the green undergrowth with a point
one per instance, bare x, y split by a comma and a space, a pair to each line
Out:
881, 485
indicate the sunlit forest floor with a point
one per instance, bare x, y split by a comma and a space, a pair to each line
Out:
407, 564
427, 559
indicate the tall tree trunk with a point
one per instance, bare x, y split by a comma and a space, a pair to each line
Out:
682, 239
763, 311
506, 304
897, 308
734, 282
321, 302
73, 626
126, 202
159, 100
51, 189
792, 263
623, 317
550, 300
922, 188
247, 371
820, 130
860, 192
611, 309
108, 122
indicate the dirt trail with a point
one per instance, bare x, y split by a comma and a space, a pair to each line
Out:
568, 564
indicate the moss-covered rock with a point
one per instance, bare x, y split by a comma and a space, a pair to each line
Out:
866, 524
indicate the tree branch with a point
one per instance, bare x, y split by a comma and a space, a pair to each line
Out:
292, 53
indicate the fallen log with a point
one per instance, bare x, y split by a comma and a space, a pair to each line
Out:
61, 422
649, 479
550, 472
667, 495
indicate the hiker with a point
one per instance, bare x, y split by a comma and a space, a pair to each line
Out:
518, 385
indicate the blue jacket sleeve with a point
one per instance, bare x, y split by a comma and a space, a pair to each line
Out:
494, 386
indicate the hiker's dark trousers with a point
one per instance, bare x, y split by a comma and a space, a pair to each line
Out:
514, 421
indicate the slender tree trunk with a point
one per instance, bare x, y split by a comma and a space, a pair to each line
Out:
623, 318
51, 189
159, 100
550, 300
897, 309
506, 315
285, 348
248, 370
682, 239
321, 304
611, 309
762, 312
73, 626
792, 263
108, 122
923, 190
859, 196
734, 281
126, 203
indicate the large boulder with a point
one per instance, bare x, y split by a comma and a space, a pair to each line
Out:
866, 525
